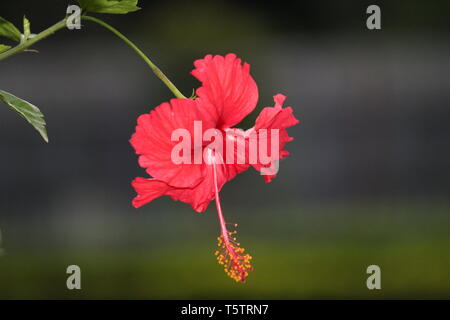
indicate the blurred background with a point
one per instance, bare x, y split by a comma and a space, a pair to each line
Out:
367, 181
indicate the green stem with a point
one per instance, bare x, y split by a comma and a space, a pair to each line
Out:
62, 24
152, 66
28, 43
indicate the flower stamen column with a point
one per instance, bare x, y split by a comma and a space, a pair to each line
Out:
230, 254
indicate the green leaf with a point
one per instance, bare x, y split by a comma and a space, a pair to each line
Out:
30, 112
8, 30
109, 6
26, 28
3, 48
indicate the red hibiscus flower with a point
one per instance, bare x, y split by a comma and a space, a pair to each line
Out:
228, 94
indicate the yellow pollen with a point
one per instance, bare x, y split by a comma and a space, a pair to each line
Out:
236, 264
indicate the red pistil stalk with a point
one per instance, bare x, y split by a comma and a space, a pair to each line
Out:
230, 255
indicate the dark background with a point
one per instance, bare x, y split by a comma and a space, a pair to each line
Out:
367, 181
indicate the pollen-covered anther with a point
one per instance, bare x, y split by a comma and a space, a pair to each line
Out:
236, 264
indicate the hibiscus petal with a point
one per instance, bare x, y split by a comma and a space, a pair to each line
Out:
227, 86
202, 194
198, 196
152, 141
274, 118
148, 190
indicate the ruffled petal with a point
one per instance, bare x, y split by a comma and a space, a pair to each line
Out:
198, 196
227, 87
273, 118
152, 141
148, 190
202, 194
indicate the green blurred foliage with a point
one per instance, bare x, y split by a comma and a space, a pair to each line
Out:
321, 253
